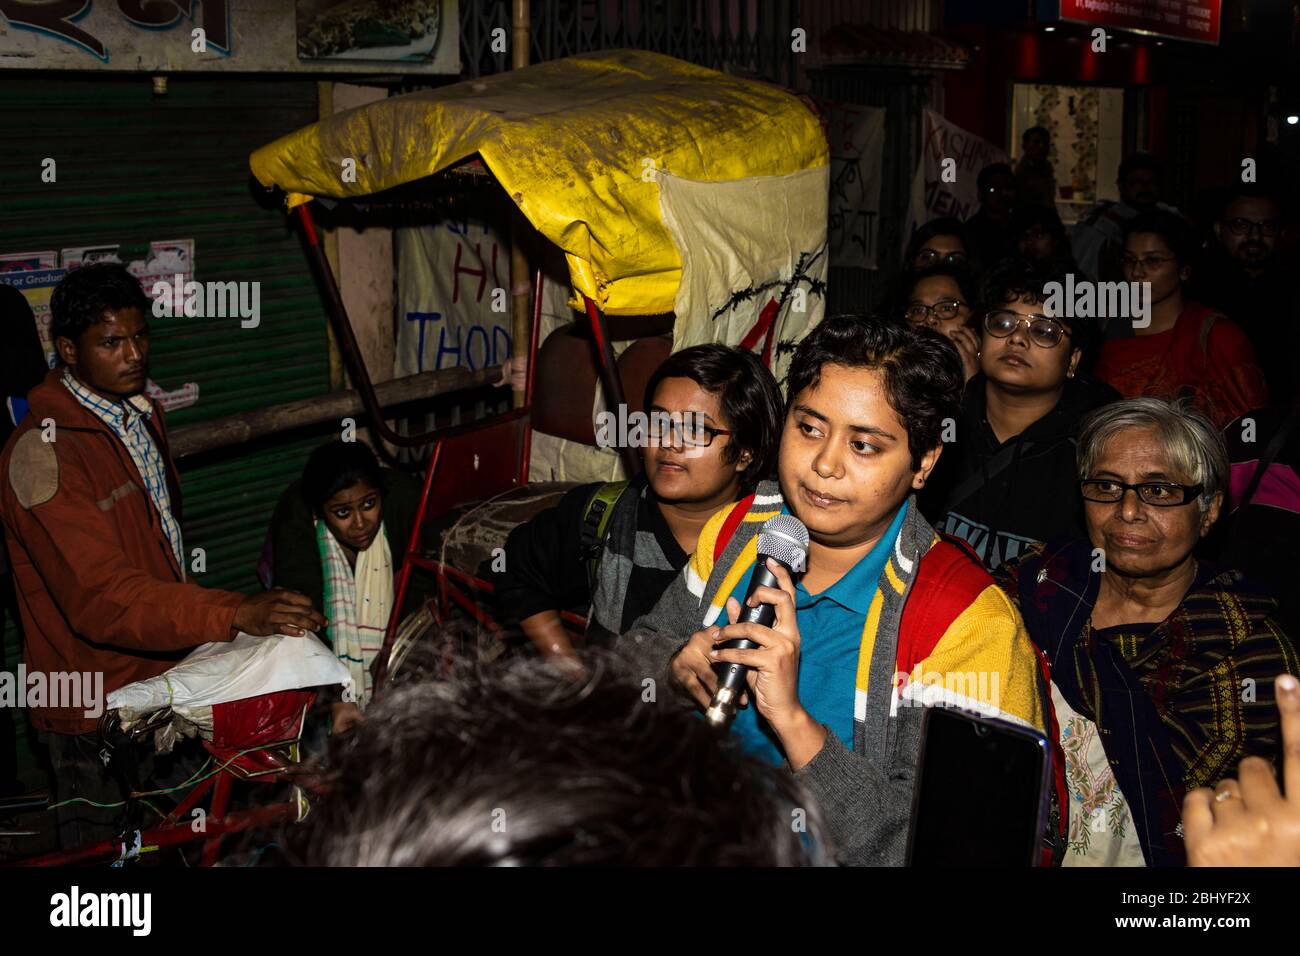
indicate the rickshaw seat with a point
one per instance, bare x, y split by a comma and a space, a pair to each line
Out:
567, 381
466, 536
477, 460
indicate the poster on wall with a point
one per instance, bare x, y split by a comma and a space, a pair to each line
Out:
35, 274
1197, 20
856, 135
942, 188
163, 260
453, 301
27, 261
400, 30
36, 283
254, 36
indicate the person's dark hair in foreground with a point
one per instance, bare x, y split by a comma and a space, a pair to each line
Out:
538, 763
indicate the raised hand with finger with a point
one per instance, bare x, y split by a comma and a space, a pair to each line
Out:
1250, 821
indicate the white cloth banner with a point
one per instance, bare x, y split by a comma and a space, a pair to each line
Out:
856, 135
942, 188
754, 260
453, 297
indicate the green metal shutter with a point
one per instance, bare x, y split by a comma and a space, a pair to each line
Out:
133, 167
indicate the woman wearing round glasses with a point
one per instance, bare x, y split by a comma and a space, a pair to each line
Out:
1001, 483
1180, 348
1162, 666
945, 298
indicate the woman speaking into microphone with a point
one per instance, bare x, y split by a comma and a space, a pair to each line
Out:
884, 617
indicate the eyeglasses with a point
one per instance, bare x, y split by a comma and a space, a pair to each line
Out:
928, 257
1243, 227
1162, 494
672, 431
943, 310
1148, 263
1043, 331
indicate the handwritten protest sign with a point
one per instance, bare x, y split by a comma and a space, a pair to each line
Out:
452, 297
944, 184
856, 135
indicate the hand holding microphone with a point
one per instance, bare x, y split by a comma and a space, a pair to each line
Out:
761, 631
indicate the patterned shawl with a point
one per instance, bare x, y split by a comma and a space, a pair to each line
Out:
357, 604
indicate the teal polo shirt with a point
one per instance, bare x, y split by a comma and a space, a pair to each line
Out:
830, 629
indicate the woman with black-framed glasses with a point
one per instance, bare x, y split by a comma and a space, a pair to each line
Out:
1180, 348
1006, 478
1162, 665
946, 299
709, 434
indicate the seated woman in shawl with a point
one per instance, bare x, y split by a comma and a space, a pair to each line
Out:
338, 535
1162, 666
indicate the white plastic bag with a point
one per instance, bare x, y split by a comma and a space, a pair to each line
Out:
219, 672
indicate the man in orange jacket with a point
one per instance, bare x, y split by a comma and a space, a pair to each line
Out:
91, 507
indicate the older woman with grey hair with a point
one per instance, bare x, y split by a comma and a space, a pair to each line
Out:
1162, 665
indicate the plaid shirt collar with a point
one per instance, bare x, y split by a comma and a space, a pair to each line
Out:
116, 415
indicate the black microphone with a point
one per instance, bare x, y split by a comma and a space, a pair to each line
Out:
784, 539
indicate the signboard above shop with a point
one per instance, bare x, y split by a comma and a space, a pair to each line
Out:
249, 36
1195, 20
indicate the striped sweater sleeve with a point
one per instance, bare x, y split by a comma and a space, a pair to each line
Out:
654, 638
984, 662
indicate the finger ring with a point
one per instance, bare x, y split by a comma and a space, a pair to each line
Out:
1223, 795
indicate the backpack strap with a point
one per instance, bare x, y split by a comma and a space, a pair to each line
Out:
993, 467
1271, 451
595, 525
1207, 324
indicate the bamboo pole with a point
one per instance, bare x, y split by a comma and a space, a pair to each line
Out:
236, 429
521, 320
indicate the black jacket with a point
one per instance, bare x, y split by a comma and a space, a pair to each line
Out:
1033, 496
545, 569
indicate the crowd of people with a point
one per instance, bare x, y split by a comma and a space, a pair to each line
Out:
1100, 505
1095, 508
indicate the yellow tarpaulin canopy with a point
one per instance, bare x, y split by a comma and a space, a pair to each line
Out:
577, 144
